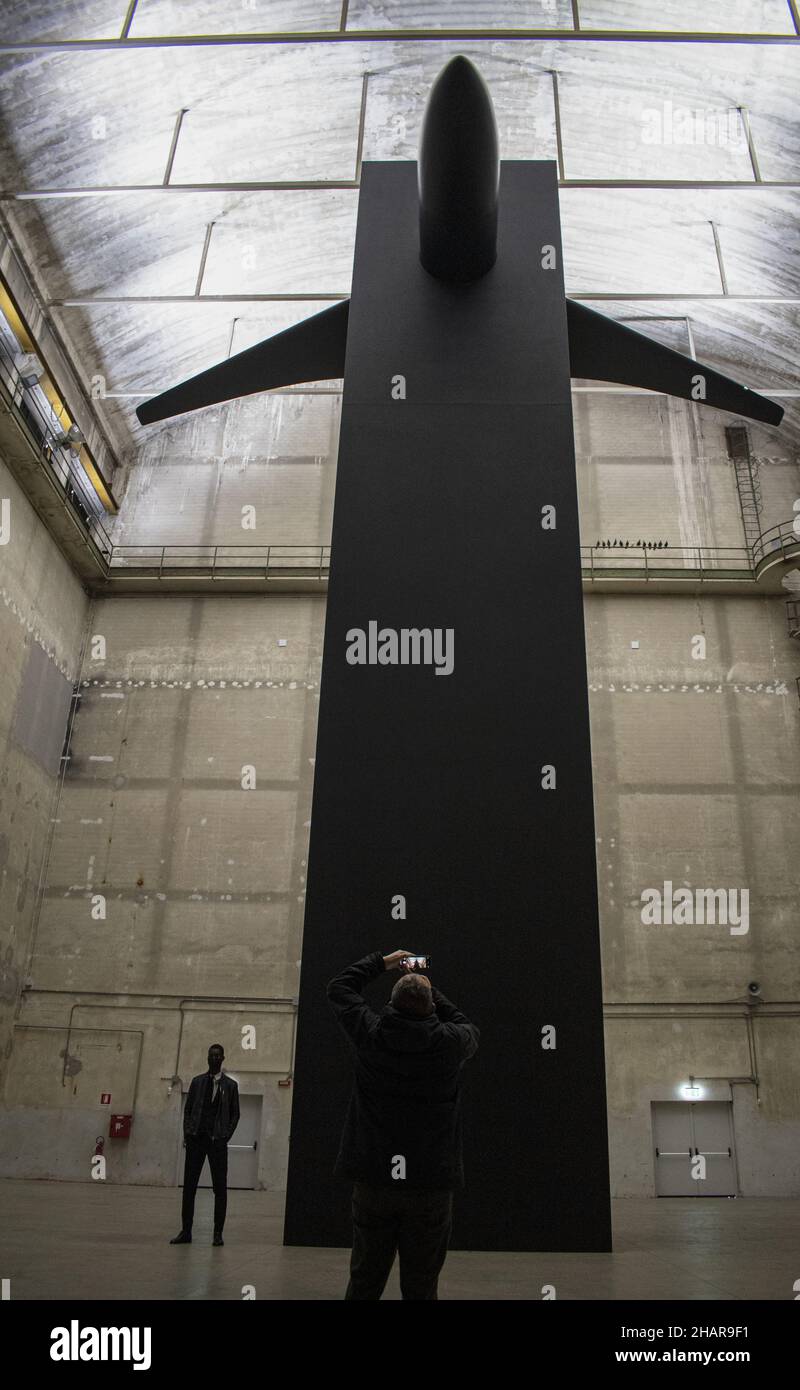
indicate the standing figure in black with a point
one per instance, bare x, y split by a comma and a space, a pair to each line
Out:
401, 1144
210, 1117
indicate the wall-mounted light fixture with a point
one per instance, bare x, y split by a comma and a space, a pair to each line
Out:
71, 438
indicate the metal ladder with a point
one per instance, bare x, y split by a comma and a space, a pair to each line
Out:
748, 483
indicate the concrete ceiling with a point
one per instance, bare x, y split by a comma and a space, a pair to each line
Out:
177, 200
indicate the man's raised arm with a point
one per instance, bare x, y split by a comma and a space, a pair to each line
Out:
467, 1033
346, 998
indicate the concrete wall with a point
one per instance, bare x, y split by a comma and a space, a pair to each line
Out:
257, 472
658, 469
649, 468
172, 915
42, 620
697, 774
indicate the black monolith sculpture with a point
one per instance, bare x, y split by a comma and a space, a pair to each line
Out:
461, 798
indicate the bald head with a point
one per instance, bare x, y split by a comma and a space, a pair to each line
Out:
412, 996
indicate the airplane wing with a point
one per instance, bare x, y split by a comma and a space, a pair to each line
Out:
602, 350
599, 348
313, 350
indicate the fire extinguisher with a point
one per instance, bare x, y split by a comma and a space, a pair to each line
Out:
98, 1144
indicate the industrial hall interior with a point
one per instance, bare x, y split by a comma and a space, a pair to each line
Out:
400, 649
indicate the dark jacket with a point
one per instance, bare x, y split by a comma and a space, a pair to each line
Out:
406, 1096
227, 1116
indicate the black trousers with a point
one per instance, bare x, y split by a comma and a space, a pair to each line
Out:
388, 1221
198, 1148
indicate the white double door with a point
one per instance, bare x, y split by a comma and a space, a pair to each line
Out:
683, 1132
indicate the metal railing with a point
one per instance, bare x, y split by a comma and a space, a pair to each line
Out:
779, 538
42, 430
313, 561
680, 560
712, 561
248, 561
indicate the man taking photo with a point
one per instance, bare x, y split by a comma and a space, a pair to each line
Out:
401, 1143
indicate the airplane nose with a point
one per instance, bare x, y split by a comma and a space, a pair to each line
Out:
458, 175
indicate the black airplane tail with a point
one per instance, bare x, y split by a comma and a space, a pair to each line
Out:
313, 350
602, 350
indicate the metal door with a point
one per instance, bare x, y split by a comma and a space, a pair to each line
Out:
243, 1148
672, 1142
712, 1123
684, 1131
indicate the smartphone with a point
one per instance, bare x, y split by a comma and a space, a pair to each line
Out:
417, 962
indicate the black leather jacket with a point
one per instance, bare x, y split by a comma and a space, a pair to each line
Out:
227, 1111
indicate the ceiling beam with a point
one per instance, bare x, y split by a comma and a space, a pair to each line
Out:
83, 301
323, 36
22, 195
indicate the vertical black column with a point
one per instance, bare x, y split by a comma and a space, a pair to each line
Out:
438, 787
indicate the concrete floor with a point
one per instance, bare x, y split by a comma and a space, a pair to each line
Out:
80, 1241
